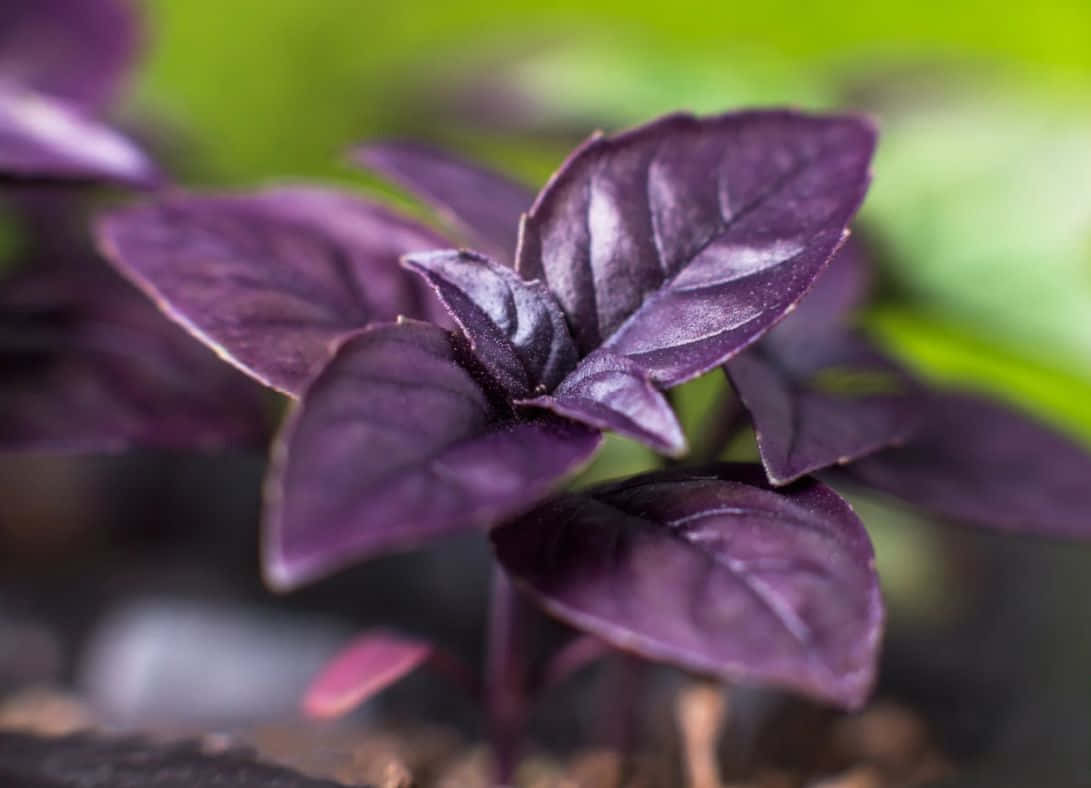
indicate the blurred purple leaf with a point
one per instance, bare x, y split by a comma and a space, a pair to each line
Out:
611, 392
395, 443
362, 669
842, 288
712, 571
76, 50
485, 204
61, 63
45, 137
515, 328
87, 364
272, 279
977, 461
818, 392
679, 243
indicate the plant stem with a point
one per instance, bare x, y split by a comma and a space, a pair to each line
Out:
622, 693
726, 417
505, 679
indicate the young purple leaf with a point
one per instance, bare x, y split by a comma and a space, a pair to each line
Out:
45, 137
977, 461
515, 328
87, 364
679, 243
273, 278
485, 204
611, 392
712, 571
364, 668
396, 443
519, 333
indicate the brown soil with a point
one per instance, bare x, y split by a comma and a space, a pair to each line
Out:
884, 745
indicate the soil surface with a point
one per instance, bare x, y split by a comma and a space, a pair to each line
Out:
49, 740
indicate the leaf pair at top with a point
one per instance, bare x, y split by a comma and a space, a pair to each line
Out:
649, 258
667, 249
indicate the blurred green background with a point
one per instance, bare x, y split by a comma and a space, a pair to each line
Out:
982, 194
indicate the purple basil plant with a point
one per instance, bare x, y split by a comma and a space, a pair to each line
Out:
460, 389
86, 363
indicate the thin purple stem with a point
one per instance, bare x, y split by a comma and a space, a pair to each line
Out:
621, 688
569, 659
505, 679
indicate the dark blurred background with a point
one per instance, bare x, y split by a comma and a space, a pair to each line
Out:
114, 568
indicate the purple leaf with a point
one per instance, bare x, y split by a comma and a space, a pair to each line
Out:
273, 278
484, 203
45, 137
822, 401
62, 61
842, 288
87, 364
520, 336
77, 50
396, 443
611, 392
977, 461
516, 328
365, 667
680, 242
712, 571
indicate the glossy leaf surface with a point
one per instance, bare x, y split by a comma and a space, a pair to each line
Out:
977, 461
818, 392
273, 278
395, 443
365, 667
711, 570
87, 364
611, 392
484, 203
680, 242
515, 328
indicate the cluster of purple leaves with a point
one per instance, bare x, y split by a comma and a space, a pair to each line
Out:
87, 363
439, 389
651, 257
